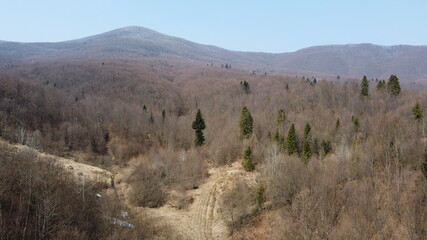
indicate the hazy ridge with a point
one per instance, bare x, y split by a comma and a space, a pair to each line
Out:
352, 60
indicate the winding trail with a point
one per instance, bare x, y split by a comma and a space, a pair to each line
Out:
201, 220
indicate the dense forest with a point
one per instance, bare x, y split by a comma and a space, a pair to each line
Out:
331, 160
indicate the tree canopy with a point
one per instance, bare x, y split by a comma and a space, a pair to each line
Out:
393, 85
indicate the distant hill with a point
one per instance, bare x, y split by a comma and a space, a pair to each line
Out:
356, 60
353, 60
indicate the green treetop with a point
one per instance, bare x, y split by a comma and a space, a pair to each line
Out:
291, 141
307, 153
260, 197
198, 126
246, 122
381, 85
248, 160
417, 112
364, 91
281, 116
393, 85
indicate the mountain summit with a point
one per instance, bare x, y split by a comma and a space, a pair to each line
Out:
352, 60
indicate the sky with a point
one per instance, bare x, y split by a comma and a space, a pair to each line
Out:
243, 25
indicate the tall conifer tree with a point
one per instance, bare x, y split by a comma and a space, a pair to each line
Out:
364, 91
198, 126
246, 123
291, 141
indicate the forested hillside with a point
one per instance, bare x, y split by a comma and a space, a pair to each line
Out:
316, 159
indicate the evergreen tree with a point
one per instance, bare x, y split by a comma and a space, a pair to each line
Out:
417, 114
326, 146
198, 126
246, 123
307, 153
248, 160
364, 91
291, 141
281, 116
163, 115
245, 87
381, 85
260, 197
393, 85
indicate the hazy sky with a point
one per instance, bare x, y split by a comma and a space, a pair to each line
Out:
268, 26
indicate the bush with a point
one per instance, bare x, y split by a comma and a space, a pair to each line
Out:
147, 188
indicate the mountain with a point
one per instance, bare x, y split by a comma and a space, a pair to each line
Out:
356, 60
129, 42
353, 60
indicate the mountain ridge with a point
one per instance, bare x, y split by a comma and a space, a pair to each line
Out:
352, 60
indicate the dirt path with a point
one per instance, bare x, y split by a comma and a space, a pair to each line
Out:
202, 220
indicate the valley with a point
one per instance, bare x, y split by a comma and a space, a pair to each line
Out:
133, 134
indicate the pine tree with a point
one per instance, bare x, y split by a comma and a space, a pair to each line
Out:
245, 87
307, 153
381, 85
326, 146
364, 91
281, 116
291, 141
163, 115
260, 197
246, 123
393, 85
198, 126
248, 160
417, 114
